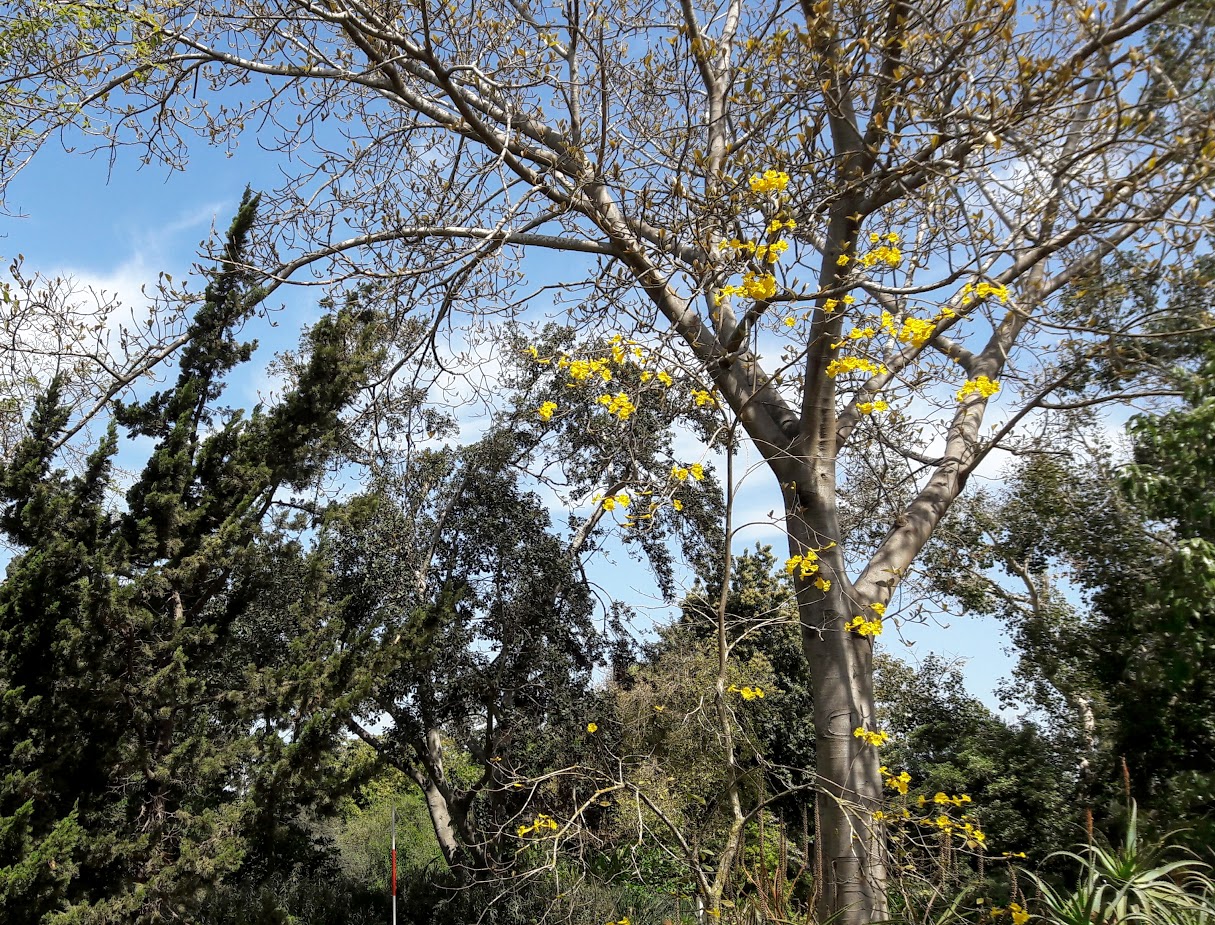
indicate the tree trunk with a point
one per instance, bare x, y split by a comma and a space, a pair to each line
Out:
850, 848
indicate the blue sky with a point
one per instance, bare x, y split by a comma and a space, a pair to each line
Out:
115, 226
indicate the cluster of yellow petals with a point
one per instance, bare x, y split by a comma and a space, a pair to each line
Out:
611, 502
914, 331
1018, 915
871, 736
968, 831
832, 304
619, 405
703, 397
845, 365
695, 470
542, 823
546, 410
897, 782
886, 254
582, 369
869, 407
863, 627
747, 693
770, 181
944, 799
985, 290
980, 385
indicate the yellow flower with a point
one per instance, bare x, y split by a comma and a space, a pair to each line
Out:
823, 584
981, 386
879, 609
747, 693
677, 504
680, 473
759, 287
983, 290
581, 370
592, 728
619, 405
697, 471
864, 627
831, 305
703, 397
622, 499
535, 355
770, 181
1019, 915
609, 504
853, 364
790, 321
546, 410
665, 378
871, 736
842, 260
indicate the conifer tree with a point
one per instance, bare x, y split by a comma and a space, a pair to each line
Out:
131, 735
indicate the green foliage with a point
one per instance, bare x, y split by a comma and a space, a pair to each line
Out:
1132, 882
127, 624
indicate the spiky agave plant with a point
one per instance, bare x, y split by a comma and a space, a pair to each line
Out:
1130, 884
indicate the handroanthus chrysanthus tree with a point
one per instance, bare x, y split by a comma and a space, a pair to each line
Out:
837, 215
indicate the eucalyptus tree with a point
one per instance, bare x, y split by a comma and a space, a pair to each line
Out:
832, 218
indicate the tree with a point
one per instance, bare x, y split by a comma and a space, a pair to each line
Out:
128, 625
905, 192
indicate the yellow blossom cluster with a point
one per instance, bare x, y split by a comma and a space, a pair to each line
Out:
1017, 914
623, 921
979, 385
611, 502
863, 627
964, 828
944, 799
887, 254
747, 693
778, 225
805, 564
770, 181
618, 405
769, 253
897, 782
703, 397
759, 287
914, 331
845, 365
583, 369
545, 411
695, 470
984, 290
869, 407
542, 823
832, 304
872, 737
662, 376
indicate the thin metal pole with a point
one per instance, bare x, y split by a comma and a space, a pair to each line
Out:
394, 866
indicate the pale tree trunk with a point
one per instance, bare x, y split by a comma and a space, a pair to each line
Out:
850, 847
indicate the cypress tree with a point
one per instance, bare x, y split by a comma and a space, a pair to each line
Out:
132, 737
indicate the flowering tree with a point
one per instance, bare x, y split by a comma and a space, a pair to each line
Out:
831, 214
